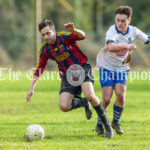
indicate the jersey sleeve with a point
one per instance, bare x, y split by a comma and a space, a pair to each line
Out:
40, 67
142, 36
72, 38
110, 35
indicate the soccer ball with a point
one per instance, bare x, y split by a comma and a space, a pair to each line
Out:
34, 132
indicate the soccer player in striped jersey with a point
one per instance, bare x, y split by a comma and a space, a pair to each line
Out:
113, 63
62, 48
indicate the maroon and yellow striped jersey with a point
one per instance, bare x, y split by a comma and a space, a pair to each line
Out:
64, 51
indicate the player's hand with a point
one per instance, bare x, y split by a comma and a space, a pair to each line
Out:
29, 95
131, 47
127, 60
69, 27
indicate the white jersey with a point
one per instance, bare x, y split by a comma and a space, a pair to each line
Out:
113, 60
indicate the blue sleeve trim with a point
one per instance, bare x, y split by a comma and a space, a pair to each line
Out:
148, 41
110, 41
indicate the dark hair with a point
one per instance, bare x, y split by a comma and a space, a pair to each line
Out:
126, 10
46, 22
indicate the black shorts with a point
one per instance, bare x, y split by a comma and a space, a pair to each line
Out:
76, 90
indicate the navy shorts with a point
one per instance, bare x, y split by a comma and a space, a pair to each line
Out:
112, 77
76, 90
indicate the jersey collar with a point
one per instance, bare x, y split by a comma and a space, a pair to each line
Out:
120, 31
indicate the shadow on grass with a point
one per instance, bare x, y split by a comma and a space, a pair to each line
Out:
70, 137
56, 138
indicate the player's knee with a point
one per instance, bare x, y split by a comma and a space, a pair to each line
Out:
107, 100
64, 108
120, 95
120, 98
90, 97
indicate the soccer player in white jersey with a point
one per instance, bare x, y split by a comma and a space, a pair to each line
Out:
113, 63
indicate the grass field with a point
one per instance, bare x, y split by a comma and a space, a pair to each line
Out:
71, 130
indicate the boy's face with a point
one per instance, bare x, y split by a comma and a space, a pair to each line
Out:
49, 35
122, 22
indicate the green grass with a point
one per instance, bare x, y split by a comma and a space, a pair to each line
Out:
69, 131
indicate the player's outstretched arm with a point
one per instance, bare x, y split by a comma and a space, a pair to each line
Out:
119, 47
40, 67
70, 27
31, 91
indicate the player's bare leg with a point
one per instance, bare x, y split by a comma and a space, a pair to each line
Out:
107, 93
89, 93
67, 102
120, 91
